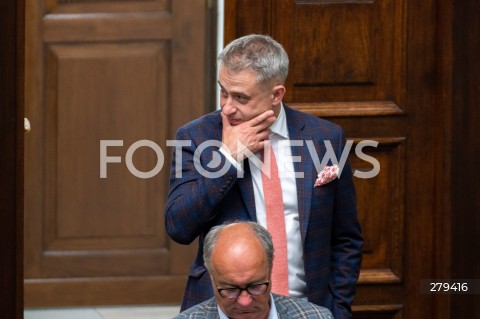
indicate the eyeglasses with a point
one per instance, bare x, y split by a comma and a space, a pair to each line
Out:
252, 290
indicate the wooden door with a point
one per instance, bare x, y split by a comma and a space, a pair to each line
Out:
369, 66
107, 83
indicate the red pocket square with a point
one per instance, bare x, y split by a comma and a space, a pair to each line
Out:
328, 174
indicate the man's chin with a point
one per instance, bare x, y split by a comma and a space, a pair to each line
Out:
246, 315
249, 314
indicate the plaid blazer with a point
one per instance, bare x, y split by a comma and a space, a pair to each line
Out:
287, 308
330, 231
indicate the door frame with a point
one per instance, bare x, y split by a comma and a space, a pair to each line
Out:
11, 160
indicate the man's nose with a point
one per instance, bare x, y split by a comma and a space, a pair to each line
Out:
228, 108
244, 299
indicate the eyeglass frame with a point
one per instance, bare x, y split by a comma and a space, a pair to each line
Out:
240, 290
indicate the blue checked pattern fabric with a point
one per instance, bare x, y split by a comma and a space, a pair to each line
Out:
287, 308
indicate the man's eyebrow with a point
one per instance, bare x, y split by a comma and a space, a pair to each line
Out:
242, 94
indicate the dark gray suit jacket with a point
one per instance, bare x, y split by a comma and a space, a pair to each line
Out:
287, 308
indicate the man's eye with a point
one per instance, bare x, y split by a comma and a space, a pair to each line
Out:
242, 99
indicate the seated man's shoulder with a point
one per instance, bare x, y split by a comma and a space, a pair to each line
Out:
299, 308
203, 310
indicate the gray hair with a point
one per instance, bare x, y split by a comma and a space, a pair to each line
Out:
259, 53
259, 231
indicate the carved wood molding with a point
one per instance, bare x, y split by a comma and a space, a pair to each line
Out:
378, 276
367, 108
377, 308
382, 141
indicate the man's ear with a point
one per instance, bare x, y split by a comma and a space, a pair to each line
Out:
278, 92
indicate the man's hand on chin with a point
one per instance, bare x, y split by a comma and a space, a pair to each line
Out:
249, 135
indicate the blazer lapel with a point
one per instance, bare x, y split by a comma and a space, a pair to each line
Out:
297, 131
282, 309
212, 311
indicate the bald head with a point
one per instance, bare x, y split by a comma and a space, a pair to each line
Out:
237, 244
239, 257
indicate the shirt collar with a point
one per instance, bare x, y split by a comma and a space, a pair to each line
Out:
279, 127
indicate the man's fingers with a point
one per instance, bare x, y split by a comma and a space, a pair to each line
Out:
265, 134
259, 119
262, 121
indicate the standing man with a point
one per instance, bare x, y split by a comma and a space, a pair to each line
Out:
239, 260
217, 175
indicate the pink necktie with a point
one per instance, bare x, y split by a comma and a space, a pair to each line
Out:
272, 192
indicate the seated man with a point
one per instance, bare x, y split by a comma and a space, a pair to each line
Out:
239, 260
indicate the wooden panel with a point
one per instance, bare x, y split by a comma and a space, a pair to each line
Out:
247, 16
353, 50
135, 290
107, 6
382, 219
105, 92
378, 312
106, 27
107, 71
349, 27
